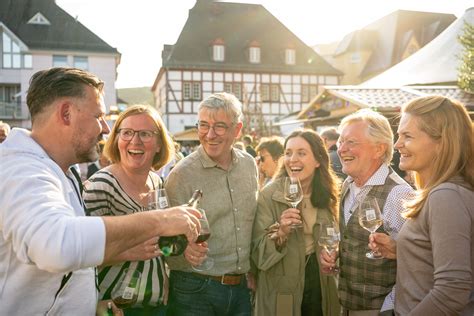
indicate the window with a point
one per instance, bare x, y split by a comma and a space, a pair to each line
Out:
218, 52
269, 92
275, 93
308, 91
27, 61
192, 90
254, 55
60, 61
234, 88
265, 92
81, 62
11, 53
290, 56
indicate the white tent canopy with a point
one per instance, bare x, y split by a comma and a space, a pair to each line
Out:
436, 62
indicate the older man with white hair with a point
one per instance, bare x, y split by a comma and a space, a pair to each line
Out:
365, 146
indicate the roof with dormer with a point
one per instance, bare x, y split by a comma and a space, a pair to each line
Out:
63, 32
240, 26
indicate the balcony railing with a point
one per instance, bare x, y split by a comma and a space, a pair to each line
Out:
13, 110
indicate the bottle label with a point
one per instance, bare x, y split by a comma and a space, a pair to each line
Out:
128, 293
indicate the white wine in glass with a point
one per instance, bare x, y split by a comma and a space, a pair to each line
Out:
329, 238
294, 195
370, 218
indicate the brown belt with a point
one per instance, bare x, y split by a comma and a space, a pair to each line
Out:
226, 279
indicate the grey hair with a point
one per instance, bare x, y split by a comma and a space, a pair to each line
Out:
225, 101
379, 130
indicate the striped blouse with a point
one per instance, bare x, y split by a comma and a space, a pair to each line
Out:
104, 196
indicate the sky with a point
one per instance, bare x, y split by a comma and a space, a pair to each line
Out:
140, 28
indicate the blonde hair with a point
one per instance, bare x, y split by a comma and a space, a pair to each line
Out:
162, 157
378, 131
446, 121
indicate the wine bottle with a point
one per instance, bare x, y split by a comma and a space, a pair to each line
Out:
110, 311
175, 245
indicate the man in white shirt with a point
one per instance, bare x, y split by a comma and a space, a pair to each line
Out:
48, 247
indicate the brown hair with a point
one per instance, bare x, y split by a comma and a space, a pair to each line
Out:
111, 150
48, 85
325, 184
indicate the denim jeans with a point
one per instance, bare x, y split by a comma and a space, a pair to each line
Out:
192, 295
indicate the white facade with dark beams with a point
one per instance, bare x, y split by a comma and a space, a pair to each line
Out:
226, 47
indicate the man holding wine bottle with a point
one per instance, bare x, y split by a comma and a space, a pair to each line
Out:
365, 146
228, 180
48, 247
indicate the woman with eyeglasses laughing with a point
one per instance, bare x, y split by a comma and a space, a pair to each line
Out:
138, 145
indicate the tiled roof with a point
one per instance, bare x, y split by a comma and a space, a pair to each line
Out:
239, 26
385, 99
64, 32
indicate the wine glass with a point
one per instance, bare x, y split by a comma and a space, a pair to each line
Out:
329, 238
125, 292
204, 235
370, 218
157, 199
294, 195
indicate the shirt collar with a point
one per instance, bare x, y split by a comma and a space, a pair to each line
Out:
207, 162
378, 178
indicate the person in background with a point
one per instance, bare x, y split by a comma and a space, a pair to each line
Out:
365, 146
48, 247
435, 246
164, 171
330, 136
102, 162
239, 145
248, 141
228, 180
269, 152
4, 131
138, 145
289, 282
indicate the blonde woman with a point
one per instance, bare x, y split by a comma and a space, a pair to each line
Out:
435, 250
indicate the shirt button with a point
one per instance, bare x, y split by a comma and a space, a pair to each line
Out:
235, 210
239, 268
240, 249
238, 228
231, 190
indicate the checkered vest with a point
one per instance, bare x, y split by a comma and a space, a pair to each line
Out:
364, 283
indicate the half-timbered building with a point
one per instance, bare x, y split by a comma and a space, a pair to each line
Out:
242, 49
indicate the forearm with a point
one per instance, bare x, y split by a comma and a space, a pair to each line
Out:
125, 232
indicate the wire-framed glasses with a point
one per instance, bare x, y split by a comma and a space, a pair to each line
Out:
219, 128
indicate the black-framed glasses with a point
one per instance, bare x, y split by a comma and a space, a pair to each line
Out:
219, 128
126, 134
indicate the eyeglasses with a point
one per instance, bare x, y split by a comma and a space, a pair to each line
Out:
126, 134
349, 143
219, 128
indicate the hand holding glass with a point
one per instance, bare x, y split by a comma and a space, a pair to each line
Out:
329, 238
204, 235
370, 218
125, 292
294, 195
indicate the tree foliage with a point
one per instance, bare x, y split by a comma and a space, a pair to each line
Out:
466, 70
